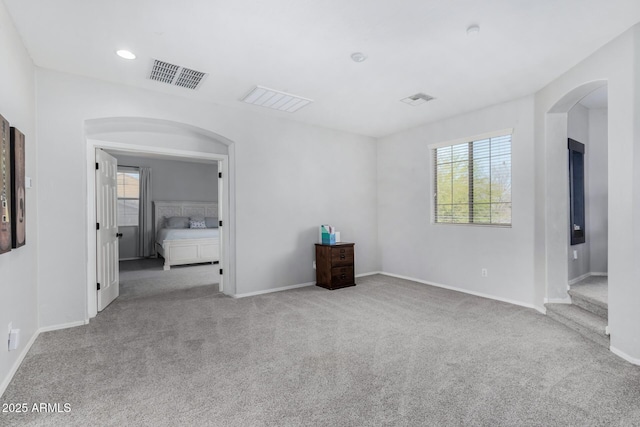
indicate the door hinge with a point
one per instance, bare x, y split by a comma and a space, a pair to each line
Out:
98, 286
221, 272
97, 166
97, 226
219, 223
219, 174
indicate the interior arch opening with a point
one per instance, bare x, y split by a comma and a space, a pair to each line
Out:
165, 143
577, 154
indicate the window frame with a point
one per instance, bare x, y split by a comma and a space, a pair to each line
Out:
479, 137
127, 169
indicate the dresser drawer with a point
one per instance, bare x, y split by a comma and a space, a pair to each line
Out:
341, 276
341, 256
335, 265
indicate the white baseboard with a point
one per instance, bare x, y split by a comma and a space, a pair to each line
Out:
18, 362
368, 274
624, 355
268, 291
586, 275
466, 291
579, 278
566, 300
286, 288
63, 326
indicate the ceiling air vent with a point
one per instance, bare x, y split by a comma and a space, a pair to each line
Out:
417, 99
176, 75
275, 99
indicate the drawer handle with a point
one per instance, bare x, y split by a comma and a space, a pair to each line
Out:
343, 276
342, 256
341, 250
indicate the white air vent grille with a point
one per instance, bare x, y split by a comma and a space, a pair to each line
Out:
176, 75
275, 99
417, 99
189, 78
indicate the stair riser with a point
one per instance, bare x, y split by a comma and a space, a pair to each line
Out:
597, 337
589, 306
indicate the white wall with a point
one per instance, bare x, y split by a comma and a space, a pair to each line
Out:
289, 178
18, 272
619, 65
598, 181
578, 129
454, 255
171, 180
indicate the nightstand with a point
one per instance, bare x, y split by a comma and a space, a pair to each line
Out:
335, 265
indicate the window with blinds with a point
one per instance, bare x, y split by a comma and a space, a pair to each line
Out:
472, 182
128, 189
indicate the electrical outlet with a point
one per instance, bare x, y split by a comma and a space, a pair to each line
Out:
14, 339
314, 265
575, 254
484, 272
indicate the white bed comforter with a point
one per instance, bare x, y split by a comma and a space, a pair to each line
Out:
186, 233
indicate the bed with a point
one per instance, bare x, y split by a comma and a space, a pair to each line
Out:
184, 245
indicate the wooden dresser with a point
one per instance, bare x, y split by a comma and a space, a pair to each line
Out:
335, 265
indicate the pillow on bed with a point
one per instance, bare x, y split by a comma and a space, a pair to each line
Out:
197, 224
177, 222
211, 222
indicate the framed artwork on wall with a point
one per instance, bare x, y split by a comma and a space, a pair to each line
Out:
18, 205
5, 186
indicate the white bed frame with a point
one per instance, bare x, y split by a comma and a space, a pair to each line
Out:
191, 251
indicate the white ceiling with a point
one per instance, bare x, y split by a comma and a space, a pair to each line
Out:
304, 47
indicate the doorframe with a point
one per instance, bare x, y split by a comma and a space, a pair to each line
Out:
556, 169
227, 285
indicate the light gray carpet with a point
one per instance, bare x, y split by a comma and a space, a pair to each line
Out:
386, 352
594, 288
146, 277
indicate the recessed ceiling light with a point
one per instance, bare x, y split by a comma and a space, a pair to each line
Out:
358, 56
473, 30
125, 54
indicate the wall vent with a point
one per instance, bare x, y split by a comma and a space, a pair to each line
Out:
417, 99
271, 98
176, 75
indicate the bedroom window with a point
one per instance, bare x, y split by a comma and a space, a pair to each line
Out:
128, 196
472, 180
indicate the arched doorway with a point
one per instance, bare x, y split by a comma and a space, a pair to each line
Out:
556, 175
584, 308
161, 138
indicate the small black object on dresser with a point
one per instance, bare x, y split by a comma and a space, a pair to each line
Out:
335, 265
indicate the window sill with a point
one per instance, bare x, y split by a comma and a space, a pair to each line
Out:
473, 225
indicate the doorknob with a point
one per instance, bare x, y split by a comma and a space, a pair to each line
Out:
118, 234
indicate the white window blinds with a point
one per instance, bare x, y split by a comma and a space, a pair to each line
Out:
472, 182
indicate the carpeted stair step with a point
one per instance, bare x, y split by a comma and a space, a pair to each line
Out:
588, 302
589, 325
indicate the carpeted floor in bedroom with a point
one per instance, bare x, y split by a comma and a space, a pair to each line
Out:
386, 352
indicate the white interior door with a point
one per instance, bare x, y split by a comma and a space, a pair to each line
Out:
221, 176
107, 229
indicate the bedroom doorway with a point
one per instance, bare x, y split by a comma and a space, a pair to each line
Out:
140, 268
168, 224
